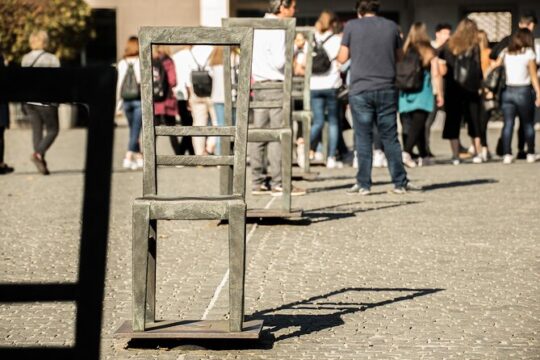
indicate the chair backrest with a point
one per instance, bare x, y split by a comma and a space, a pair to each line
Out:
288, 25
304, 83
238, 36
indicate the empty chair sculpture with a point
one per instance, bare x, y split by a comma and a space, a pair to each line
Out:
151, 207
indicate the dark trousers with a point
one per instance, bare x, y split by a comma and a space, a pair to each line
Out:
186, 144
377, 107
2, 130
518, 100
416, 121
169, 121
43, 119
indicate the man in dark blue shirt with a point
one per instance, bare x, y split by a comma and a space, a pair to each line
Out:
373, 44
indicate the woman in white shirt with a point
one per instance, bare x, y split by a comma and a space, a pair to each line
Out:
324, 87
522, 92
129, 98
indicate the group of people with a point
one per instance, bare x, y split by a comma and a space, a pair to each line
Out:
385, 74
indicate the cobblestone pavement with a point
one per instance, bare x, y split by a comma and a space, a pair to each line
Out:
450, 273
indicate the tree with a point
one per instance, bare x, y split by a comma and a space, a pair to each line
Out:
66, 22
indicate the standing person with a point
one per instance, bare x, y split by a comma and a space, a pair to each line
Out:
522, 92
129, 97
485, 62
201, 104
42, 116
417, 105
443, 32
528, 20
182, 62
463, 81
165, 104
325, 82
373, 43
268, 65
218, 89
4, 124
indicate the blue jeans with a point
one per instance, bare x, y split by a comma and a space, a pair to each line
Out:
132, 109
322, 100
377, 107
518, 100
219, 108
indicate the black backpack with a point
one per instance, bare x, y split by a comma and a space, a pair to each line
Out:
467, 70
409, 72
201, 80
321, 63
130, 89
160, 83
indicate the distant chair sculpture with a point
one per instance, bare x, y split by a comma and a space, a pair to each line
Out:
152, 207
282, 134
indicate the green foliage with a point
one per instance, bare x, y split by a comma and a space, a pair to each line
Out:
66, 22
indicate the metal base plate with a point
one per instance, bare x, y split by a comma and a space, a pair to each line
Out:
196, 329
273, 213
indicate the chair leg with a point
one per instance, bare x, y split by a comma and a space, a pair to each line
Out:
141, 228
237, 265
225, 172
286, 169
306, 130
151, 273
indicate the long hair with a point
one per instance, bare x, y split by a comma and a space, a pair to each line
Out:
132, 47
418, 39
523, 38
326, 21
483, 40
275, 5
465, 37
216, 57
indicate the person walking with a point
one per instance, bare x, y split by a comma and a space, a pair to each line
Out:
4, 124
325, 82
199, 100
164, 81
415, 105
462, 81
128, 92
182, 62
522, 92
373, 43
43, 116
268, 65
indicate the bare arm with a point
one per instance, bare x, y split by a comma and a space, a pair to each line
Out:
534, 80
343, 55
437, 81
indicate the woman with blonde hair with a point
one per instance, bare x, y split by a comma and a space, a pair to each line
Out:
128, 92
415, 106
462, 94
43, 116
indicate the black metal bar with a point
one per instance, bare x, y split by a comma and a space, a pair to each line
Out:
11, 293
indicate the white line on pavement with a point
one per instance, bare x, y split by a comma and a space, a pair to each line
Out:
226, 276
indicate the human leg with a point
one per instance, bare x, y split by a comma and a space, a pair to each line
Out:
363, 114
186, 144
317, 107
49, 114
509, 110
199, 111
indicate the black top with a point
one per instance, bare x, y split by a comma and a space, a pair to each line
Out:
499, 47
4, 108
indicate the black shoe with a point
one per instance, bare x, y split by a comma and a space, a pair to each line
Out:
41, 166
499, 149
521, 155
5, 169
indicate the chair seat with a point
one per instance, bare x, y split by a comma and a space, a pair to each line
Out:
189, 207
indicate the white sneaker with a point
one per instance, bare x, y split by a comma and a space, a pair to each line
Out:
531, 158
407, 160
477, 159
456, 161
300, 157
355, 161
471, 150
378, 159
127, 163
331, 163
318, 156
139, 162
508, 159
427, 161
